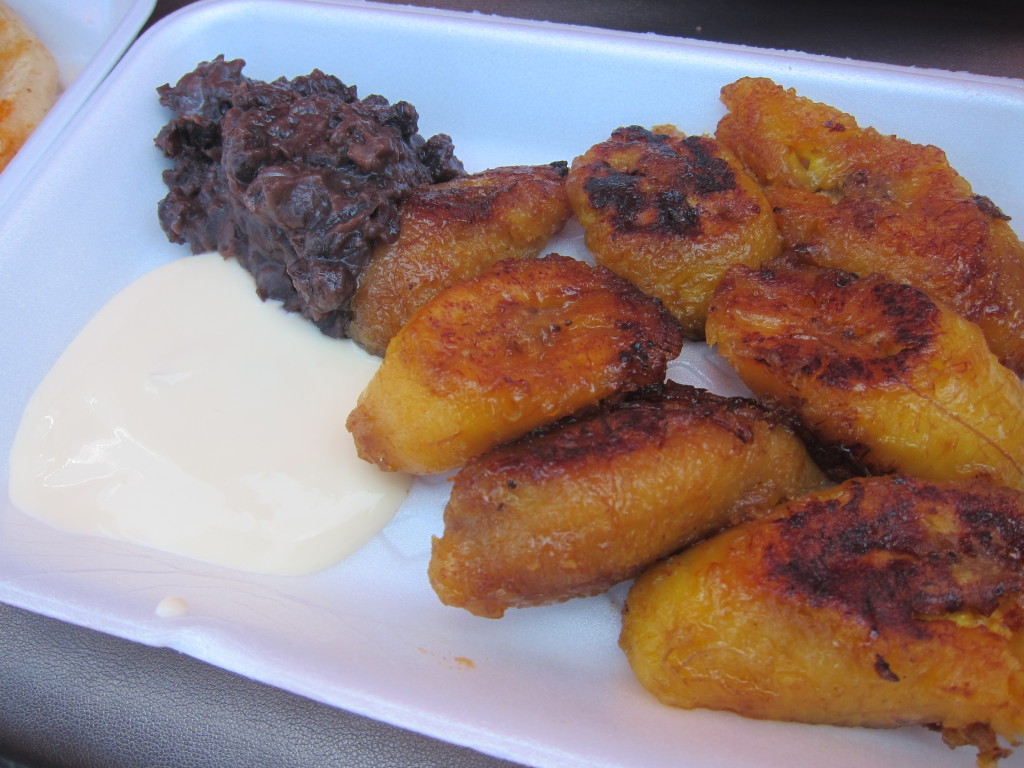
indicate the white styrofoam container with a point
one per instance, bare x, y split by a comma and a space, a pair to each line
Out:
545, 686
86, 37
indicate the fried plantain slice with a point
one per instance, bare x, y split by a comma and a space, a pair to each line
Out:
526, 342
865, 202
570, 510
894, 379
450, 232
670, 212
881, 602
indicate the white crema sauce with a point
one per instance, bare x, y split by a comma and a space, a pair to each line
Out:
191, 417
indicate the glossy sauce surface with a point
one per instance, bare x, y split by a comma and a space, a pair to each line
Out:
191, 417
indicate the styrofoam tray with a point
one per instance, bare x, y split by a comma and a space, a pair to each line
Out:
86, 37
545, 686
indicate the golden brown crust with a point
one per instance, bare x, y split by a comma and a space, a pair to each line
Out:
877, 369
450, 232
882, 602
893, 563
526, 342
573, 509
28, 83
857, 200
670, 212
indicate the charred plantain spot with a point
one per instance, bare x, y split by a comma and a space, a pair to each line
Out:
909, 323
637, 134
883, 669
664, 211
842, 372
598, 434
830, 340
560, 168
987, 207
625, 425
864, 213
858, 179
897, 552
707, 173
667, 177
839, 461
636, 353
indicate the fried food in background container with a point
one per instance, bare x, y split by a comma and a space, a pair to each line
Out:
670, 213
452, 231
572, 509
864, 202
524, 343
895, 380
882, 602
29, 83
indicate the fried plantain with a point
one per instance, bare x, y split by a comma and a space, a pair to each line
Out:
893, 379
866, 202
29, 82
670, 212
526, 342
570, 510
452, 231
882, 602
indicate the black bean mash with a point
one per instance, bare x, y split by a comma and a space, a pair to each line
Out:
297, 179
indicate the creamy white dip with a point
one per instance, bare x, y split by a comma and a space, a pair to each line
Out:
191, 417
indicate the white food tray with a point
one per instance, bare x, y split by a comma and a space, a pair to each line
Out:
544, 686
86, 37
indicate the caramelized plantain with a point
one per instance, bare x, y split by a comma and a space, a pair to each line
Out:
526, 342
865, 202
573, 509
452, 231
896, 380
881, 602
670, 212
